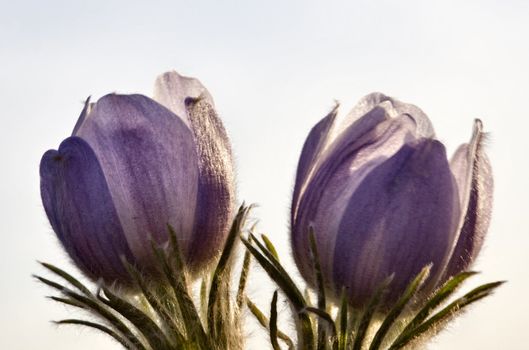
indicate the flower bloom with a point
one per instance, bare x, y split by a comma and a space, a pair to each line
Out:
134, 165
383, 199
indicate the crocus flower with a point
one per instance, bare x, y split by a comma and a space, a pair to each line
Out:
383, 199
134, 165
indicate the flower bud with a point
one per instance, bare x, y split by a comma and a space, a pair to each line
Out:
383, 199
135, 165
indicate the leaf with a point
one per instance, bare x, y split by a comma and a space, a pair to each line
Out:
150, 330
396, 310
271, 248
291, 291
273, 323
263, 320
440, 295
67, 301
320, 288
343, 313
243, 278
325, 317
69, 278
446, 313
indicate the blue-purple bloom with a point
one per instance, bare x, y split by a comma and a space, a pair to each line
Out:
383, 199
134, 165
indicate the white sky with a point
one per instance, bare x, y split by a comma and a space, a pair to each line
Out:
274, 70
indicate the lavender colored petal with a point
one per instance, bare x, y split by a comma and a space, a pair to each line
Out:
216, 188
80, 209
172, 89
401, 218
393, 108
149, 159
392, 135
475, 188
364, 132
312, 149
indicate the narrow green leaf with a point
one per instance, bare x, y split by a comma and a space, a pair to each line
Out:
99, 327
50, 283
273, 323
283, 280
204, 297
318, 277
399, 306
325, 317
343, 313
446, 313
270, 246
67, 301
101, 310
433, 302
67, 277
263, 320
243, 277
150, 330
280, 276
370, 310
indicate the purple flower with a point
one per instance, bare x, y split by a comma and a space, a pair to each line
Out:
132, 166
383, 199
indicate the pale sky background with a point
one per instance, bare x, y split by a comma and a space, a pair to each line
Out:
274, 69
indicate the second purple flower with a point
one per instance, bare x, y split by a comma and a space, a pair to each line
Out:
383, 199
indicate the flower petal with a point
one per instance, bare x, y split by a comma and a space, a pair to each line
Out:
81, 211
392, 135
216, 182
473, 173
172, 89
149, 159
312, 149
401, 218
338, 176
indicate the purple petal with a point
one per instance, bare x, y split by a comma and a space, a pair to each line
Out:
392, 108
81, 211
401, 218
216, 188
312, 149
369, 132
148, 157
473, 173
343, 183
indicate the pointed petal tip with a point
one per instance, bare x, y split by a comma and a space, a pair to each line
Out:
478, 126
